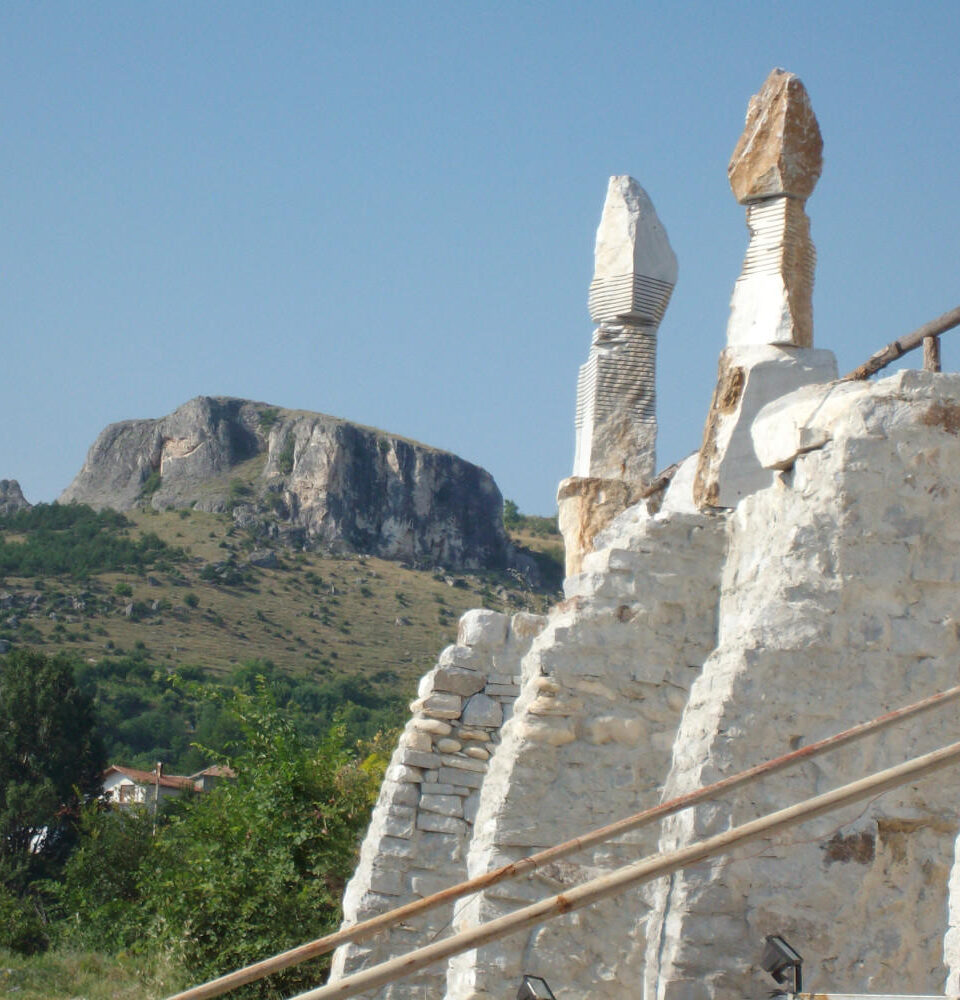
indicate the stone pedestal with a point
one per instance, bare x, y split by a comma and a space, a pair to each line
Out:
586, 507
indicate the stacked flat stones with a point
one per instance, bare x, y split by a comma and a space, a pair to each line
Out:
634, 274
423, 822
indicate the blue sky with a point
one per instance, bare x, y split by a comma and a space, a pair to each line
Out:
386, 211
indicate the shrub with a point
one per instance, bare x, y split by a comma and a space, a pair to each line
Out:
258, 864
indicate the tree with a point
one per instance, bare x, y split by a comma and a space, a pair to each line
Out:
511, 514
51, 760
258, 864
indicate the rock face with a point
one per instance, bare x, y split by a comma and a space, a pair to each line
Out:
11, 497
309, 478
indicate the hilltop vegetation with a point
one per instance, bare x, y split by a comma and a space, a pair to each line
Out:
146, 601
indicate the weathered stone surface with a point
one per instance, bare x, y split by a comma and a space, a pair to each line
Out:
422, 817
11, 497
780, 151
482, 628
330, 483
586, 507
635, 267
462, 682
480, 710
748, 379
772, 301
634, 274
814, 594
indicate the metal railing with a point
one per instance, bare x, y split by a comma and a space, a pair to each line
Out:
558, 904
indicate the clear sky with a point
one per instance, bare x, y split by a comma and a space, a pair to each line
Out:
386, 211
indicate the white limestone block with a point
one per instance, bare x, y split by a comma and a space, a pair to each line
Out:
749, 379
631, 244
443, 805
801, 421
482, 628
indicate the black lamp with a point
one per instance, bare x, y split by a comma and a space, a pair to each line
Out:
779, 959
534, 988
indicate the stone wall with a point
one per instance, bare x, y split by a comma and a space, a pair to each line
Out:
423, 820
690, 646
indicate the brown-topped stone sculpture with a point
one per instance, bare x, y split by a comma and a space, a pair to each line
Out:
781, 150
635, 270
774, 168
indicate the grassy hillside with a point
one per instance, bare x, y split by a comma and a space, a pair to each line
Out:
140, 598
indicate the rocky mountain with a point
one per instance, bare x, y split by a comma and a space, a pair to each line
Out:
11, 497
306, 478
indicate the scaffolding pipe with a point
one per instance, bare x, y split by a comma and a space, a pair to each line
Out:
897, 348
383, 921
633, 875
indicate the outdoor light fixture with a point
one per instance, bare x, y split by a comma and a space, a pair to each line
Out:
779, 959
534, 988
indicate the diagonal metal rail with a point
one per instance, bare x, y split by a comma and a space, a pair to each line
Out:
928, 335
630, 876
369, 928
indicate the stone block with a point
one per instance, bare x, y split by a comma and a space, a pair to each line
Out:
433, 823
482, 628
443, 805
417, 758
446, 746
458, 680
480, 735
417, 740
439, 705
433, 726
501, 690
403, 773
463, 763
481, 711
454, 776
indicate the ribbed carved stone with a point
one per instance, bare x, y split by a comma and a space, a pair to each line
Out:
635, 271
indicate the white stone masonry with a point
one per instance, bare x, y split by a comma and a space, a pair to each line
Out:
417, 840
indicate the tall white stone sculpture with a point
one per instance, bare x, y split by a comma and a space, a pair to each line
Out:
773, 170
635, 270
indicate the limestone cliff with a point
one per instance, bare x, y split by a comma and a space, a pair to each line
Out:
11, 497
308, 478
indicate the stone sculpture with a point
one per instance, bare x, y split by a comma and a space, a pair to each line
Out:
773, 170
635, 270
634, 273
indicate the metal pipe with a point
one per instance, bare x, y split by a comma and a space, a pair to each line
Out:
383, 921
900, 346
633, 875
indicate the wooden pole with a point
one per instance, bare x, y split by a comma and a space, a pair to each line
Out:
931, 354
899, 347
369, 928
633, 875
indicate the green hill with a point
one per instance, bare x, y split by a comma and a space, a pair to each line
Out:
156, 606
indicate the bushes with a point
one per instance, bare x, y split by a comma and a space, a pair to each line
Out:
74, 539
258, 865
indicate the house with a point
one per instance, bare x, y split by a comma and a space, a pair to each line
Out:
127, 786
